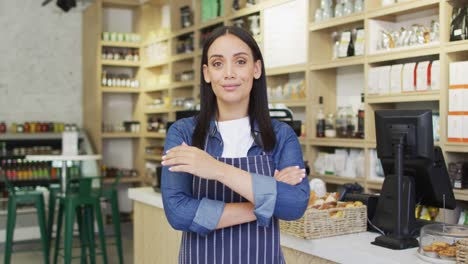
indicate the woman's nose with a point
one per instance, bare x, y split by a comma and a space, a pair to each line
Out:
229, 71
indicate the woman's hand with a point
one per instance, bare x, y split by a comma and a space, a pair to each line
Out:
291, 175
185, 158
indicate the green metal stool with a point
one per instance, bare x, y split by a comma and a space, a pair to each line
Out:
70, 205
17, 197
111, 196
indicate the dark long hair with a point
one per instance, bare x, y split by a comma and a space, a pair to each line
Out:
258, 102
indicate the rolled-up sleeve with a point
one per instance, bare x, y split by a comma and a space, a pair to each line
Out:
183, 211
264, 190
291, 200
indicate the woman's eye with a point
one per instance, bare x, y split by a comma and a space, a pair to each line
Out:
241, 62
216, 64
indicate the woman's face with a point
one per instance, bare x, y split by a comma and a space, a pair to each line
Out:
230, 70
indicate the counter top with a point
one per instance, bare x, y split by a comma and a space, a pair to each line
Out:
352, 248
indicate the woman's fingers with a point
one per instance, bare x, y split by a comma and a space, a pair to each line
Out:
290, 175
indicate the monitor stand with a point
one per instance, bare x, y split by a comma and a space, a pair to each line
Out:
395, 212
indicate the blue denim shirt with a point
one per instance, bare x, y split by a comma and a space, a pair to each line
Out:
272, 198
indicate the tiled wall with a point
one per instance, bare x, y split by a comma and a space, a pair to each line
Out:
40, 63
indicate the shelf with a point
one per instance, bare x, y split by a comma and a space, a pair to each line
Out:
116, 3
183, 56
286, 69
405, 53
32, 136
123, 180
456, 46
153, 157
402, 8
290, 102
162, 110
183, 31
374, 184
337, 63
404, 97
176, 85
121, 63
211, 22
339, 21
245, 11
157, 64
155, 135
160, 87
120, 135
156, 40
120, 44
338, 142
461, 194
340, 180
119, 90
456, 147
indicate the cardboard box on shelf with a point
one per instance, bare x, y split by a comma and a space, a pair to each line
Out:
396, 76
434, 82
422, 76
408, 77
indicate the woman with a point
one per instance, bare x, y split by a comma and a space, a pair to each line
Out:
231, 172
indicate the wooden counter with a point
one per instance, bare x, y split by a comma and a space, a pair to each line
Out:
156, 242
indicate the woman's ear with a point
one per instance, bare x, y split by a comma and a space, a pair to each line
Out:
206, 77
258, 69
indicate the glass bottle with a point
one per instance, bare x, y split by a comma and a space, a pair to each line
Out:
350, 122
320, 120
360, 116
350, 51
3, 127
341, 126
330, 131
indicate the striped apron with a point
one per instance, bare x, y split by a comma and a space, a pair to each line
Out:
243, 244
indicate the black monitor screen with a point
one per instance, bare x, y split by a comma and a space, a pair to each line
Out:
414, 125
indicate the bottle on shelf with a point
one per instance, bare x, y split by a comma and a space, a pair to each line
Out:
320, 125
360, 117
3, 127
341, 123
330, 131
350, 122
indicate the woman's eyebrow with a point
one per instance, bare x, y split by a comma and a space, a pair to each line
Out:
216, 56
240, 53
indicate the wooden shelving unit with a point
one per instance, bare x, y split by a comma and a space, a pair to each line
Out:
321, 72
324, 72
405, 97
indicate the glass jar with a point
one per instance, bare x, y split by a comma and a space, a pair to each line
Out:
341, 125
438, 241
330, 131
339, 10
358, 6
318, 15
327, 13
348, 7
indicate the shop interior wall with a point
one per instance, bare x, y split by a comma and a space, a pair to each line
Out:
41, 63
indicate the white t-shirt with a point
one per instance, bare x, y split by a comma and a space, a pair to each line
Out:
236, 137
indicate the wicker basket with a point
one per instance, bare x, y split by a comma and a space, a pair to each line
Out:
462, 251
319, 223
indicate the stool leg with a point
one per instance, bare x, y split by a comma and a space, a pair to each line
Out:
89, 223
59, 231
69, 221
116, 222
50, 217
11, 220
81, 231
42, 227
102, 238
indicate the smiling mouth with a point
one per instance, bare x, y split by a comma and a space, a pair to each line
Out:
231, 86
